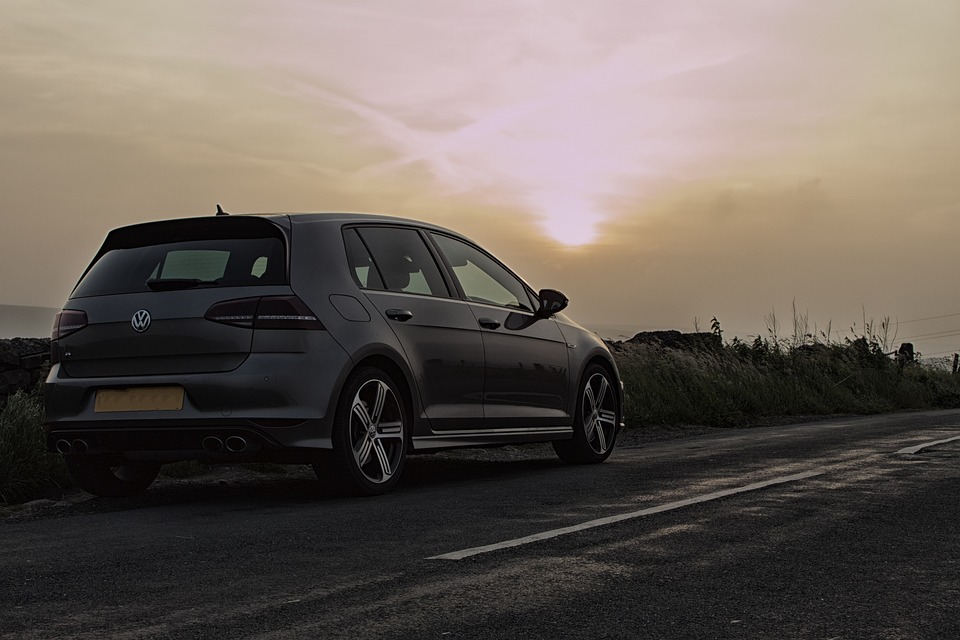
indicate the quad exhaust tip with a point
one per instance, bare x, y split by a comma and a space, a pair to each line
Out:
77, 446
233, 444
212, 443
236, 444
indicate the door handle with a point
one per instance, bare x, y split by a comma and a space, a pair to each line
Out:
400, 315
489, 323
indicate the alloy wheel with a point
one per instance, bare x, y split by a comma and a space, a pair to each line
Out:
599, 413
376, 431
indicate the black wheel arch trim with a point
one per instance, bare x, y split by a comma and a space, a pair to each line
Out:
604, 359
370, 355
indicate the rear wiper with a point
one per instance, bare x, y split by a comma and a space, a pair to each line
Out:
169, 284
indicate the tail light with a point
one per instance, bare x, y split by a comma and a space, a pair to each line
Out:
68, 322
273, 312
285, 312
236, 313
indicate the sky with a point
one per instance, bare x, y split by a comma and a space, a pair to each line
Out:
660, 163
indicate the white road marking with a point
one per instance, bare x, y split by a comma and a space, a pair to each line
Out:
912, 450
670, 506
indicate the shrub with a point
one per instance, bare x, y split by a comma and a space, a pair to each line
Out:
27, 471
742, 382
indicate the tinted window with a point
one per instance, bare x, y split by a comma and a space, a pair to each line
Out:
481, 277
202, 264
403, 261
361, 264
232, 262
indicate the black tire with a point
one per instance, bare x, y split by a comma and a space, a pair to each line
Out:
596, 421
104, 478
370, 434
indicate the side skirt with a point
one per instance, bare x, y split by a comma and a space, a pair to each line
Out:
488, 437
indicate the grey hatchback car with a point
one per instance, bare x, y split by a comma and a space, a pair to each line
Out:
345, 341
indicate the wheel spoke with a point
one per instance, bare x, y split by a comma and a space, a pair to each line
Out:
362, 452
588, 428
604, 385
379, 403
391, 430
360, 411
382, 459
602, 438
608, 417
588, 394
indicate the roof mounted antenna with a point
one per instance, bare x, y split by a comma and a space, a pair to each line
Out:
220, 211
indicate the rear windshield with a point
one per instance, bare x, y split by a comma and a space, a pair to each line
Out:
158, 258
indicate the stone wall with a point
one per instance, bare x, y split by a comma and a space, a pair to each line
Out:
22, 363
701, 341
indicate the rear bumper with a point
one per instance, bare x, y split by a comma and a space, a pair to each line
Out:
209, 443
274, 401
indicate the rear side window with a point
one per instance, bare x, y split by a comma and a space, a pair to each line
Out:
165, 257
361, 264
403, 261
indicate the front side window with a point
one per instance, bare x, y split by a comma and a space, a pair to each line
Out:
481, 277
403, 261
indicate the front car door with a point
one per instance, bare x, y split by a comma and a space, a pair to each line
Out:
526, 382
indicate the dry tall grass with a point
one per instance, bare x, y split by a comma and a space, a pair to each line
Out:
741, 383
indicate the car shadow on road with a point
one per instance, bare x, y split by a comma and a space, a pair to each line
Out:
443, 470
241, 488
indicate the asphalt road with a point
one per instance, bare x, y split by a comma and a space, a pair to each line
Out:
817, 530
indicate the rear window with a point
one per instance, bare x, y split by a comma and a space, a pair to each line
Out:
204, 264
161, 257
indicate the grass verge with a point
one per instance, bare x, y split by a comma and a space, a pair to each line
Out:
739, 383
27, 471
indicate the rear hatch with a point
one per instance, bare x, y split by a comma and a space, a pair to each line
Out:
161, 297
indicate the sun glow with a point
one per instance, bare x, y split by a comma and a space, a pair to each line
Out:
569, 219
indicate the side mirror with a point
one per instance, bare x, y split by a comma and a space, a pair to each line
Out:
551, 303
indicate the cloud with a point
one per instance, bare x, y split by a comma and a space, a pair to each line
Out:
558, 136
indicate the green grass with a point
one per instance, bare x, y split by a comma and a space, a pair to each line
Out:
27, 471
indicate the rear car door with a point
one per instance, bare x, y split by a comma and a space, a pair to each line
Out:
526, 382
438, 333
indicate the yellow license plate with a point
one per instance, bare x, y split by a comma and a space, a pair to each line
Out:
139, 399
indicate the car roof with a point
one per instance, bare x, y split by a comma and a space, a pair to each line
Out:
331, 217
348, 217
289, 219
